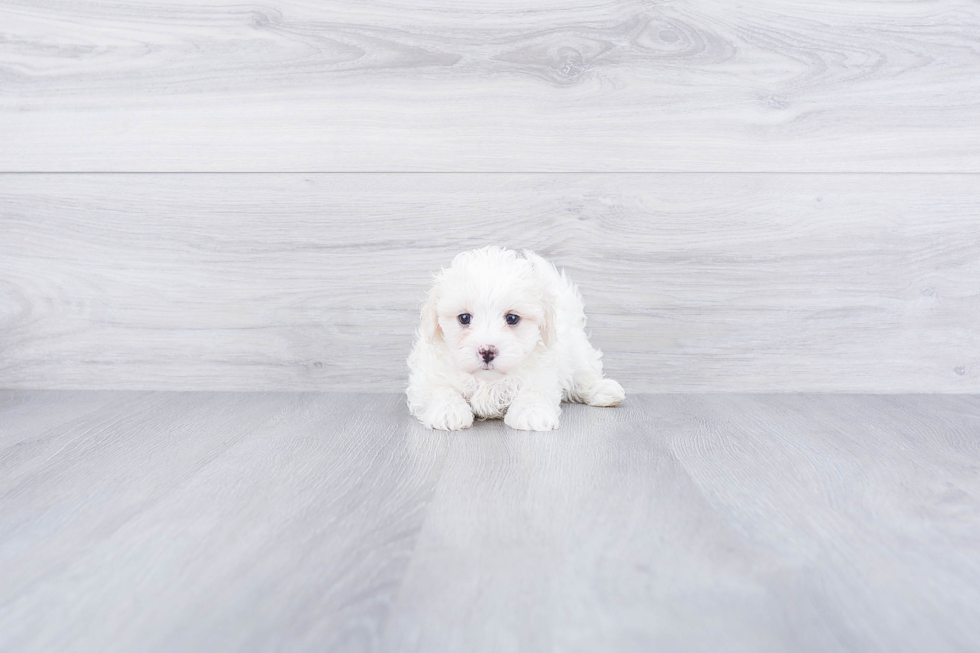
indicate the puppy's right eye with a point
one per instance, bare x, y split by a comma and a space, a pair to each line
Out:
464, 318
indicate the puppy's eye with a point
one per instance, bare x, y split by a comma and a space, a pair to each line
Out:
512, 319
464, 318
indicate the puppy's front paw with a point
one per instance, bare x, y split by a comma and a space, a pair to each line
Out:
449, 416
531, 417
606, 393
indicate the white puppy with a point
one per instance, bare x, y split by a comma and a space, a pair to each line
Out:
503, 335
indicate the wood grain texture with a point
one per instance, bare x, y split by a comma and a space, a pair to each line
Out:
761, 283
199, 520
706, 523
773, 85
880, 485
242, 522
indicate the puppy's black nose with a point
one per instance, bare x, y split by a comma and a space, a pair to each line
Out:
488, 353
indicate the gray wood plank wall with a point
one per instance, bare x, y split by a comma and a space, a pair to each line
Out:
556, 85
720, 282
664, 135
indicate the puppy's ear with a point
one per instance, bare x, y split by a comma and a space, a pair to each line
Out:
546, 275
430, 318
548, 328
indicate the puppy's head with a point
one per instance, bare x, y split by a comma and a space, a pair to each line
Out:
492, 307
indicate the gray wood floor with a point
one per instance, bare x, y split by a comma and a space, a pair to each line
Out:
158, 521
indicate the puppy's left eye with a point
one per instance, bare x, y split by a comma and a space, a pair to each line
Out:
512, 319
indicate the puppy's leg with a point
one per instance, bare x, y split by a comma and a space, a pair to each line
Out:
447, 411
536, 406
605, 392
589, 385
533, 411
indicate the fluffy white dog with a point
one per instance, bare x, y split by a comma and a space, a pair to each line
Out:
503, 335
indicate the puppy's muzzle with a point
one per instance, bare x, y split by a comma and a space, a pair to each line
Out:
487, 353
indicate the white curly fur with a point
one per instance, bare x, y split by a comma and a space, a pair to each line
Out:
541, 361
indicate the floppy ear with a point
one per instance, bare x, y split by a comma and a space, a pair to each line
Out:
548, 328
545, 273
430, 318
